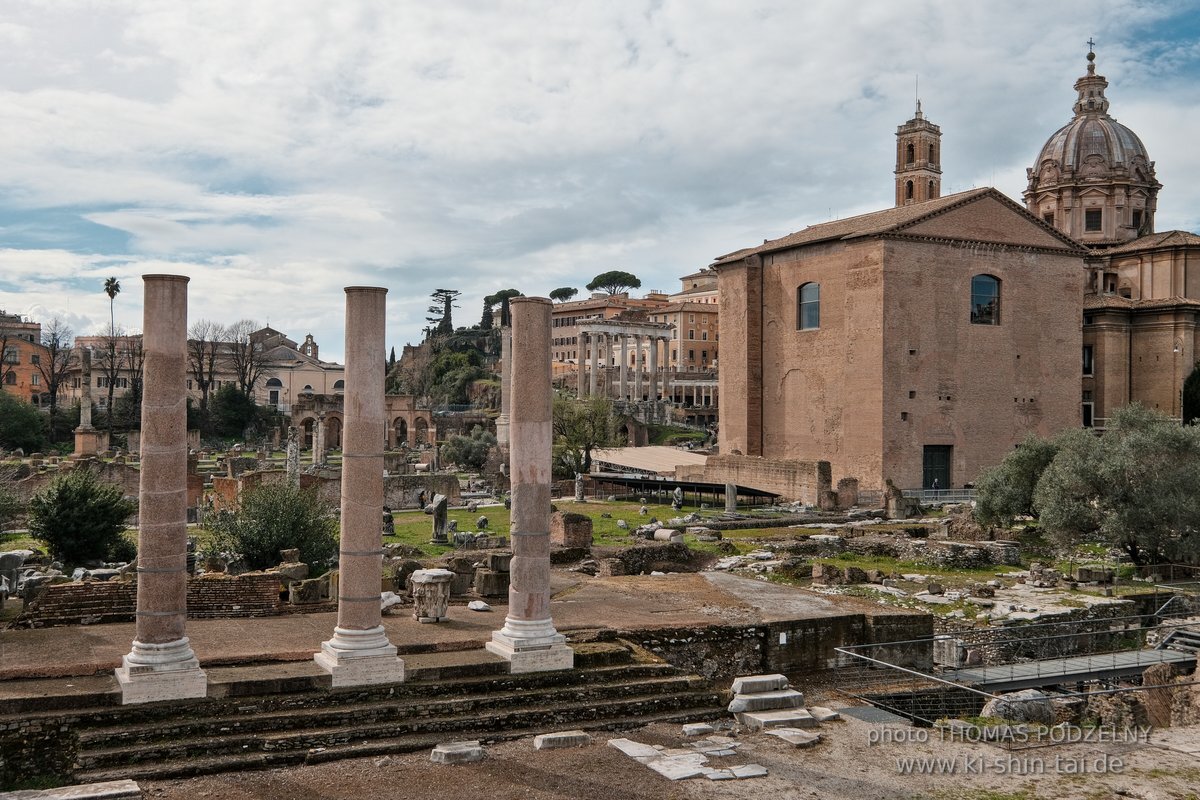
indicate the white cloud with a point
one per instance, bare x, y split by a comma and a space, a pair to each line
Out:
278, 151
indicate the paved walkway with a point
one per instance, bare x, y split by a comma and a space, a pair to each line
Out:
580, 602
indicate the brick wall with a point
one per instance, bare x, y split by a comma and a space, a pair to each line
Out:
794, 480
96, 602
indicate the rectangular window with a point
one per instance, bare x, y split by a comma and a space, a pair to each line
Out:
1093, 219
35, 379
35, 359
11, 356
1088, 359
691, 334
1048, 218
1089, 419
704, 336
1137, 219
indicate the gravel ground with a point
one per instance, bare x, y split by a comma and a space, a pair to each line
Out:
845, 765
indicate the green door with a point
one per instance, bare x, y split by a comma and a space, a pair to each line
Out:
936, 466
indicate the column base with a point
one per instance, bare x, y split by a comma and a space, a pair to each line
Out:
360, 658
543, 654
153, 672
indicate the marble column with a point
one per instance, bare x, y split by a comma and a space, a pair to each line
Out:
292, 462
528, 639
505, 387
359, 652
668, 392
654, 342
318, 454
88, 440
161, 664
638, 363
595, 363
624, 367
582, 352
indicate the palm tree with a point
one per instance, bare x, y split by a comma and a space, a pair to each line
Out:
112, 288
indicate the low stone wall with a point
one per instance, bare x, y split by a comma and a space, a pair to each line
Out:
400, 491
789, 647
97, 602
809, 482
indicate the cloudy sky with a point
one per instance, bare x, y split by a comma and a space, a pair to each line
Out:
278, 151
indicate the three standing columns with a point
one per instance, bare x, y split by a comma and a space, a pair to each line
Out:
161, 664
528, 639
359, 652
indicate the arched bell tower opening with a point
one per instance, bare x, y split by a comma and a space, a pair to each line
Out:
918, 168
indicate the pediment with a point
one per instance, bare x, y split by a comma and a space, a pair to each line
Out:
988, 219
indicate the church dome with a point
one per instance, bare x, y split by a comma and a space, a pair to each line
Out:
1094, 162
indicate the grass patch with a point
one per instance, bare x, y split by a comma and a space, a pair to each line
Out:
21, 540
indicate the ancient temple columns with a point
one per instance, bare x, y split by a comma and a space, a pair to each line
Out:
582, 388
161, 664
595, 363
318, 453
624, 367
359, 652
528, 639
654, 342
639, 365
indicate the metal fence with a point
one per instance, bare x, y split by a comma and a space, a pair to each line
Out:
953, 677
937, 497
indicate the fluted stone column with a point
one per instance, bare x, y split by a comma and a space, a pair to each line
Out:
638, 364
528, 639
161, 665
624, 366
582, 388
359, 652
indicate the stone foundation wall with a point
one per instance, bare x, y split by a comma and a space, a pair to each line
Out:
570, 530
793, 646
806, 481
96, 602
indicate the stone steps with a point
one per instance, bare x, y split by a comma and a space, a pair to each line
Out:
206, 765
457, 726
286, 713
395, 711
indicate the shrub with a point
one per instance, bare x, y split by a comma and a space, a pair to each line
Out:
469, 452
275, 517
21, 425
79, 517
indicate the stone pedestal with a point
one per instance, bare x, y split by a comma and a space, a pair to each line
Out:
431, 594
89, 442
161, 664
528, 639
359, 652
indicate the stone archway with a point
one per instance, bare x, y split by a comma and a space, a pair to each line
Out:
400, 429
333, 433
421, 431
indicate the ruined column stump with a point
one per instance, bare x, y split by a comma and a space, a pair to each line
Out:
431, 594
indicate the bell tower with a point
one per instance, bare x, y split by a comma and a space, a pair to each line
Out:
918, 160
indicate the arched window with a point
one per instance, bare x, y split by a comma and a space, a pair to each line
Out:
909, 154
930, 197
339, 385
908, 190
808, 307
985, 300
274, 383
932, 153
